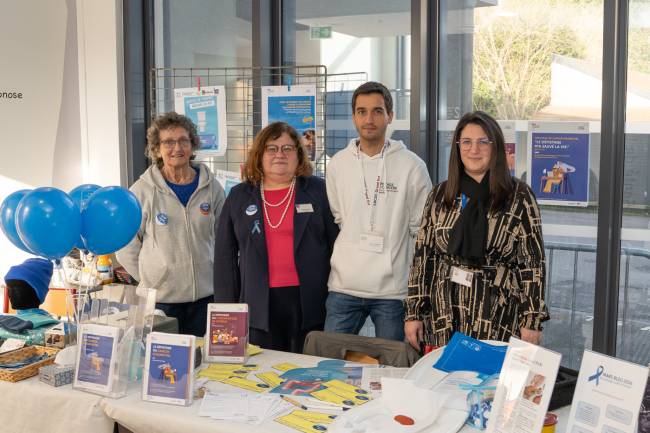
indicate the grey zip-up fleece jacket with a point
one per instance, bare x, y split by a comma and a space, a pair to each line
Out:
173, 251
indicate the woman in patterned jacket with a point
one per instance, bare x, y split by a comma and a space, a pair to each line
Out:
479, 257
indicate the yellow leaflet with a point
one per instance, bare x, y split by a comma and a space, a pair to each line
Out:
270, 378
331, 396
232, 367
285, 366
246, 384
345, 389
301, 424
315, 416
252, 350
219, 375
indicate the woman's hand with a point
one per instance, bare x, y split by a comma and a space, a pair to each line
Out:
414, 330
530, 336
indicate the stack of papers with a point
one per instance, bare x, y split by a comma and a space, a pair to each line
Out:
243, 407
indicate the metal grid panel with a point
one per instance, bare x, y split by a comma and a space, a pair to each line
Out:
243, 101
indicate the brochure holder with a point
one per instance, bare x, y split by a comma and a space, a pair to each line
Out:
112, 330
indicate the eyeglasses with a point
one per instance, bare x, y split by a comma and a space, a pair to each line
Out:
170, 144
466, 143
273, 149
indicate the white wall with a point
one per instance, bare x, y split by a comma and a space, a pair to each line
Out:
65, 57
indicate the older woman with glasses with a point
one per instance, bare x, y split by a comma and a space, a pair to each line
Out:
479, 257
274, 242
181, 202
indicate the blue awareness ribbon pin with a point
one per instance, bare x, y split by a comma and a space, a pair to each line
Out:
256, 227
596, 376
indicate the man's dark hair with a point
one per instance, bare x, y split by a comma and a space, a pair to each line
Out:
373, 87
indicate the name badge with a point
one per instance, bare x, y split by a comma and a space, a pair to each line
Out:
461, 276
304, 208
372, 243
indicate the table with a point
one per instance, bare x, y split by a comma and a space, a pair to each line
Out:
32, 406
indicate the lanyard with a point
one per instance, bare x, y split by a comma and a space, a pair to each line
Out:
463, 200
372, 204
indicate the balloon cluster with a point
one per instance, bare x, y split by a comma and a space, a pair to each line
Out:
48, 222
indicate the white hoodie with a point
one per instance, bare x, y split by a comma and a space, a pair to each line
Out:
368, 274
173, 251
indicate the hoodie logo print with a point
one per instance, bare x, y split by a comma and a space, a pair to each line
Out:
162, 219
204, 208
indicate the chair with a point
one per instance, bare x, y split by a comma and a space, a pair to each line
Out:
356, 348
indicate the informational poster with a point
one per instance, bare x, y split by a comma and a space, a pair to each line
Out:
96, 357
295, 105
206, 106
608, 395
524, 390
558, 162
227, 179
169, 366
510, 137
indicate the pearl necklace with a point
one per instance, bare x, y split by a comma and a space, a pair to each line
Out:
286, 207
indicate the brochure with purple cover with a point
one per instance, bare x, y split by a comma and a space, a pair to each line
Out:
227, 333
96, 358
169, 368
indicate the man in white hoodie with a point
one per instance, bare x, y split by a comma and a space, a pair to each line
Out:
376, 189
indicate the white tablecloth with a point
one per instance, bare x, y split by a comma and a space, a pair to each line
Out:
32, 406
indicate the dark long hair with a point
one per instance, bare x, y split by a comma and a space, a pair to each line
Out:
501, 185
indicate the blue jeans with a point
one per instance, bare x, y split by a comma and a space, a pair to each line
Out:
346, 314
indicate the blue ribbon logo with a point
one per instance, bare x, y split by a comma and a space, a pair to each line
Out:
256, 227
596, 377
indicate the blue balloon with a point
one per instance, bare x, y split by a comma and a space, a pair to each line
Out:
8, 218
110, 219
80, 195
48, 222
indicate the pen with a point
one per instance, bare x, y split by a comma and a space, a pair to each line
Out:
293, 402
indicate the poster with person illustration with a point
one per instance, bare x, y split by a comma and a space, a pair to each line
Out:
295, 105
558, 162
206, 107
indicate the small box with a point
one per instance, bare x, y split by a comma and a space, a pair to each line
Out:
56, 375
58, 336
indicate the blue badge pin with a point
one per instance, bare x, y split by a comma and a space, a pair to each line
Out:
204, 208
162, 219
256, 227
251, 210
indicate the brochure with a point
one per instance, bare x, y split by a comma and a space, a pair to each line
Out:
608, 395
524, 388
227, 327
95, 366
169, 368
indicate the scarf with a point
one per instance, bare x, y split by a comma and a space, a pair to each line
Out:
468, 237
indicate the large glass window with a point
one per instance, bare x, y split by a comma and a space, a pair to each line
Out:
633, 333
536, 65
358, 41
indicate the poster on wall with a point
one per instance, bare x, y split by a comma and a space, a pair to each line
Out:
206, 106
227, 179
510, 137
558, 162
295, 105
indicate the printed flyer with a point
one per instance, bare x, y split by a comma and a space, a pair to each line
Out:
295, 106
169, 368
206, 107
96, 358
608, 395
227, 179
558, 162
227, 332
524, 390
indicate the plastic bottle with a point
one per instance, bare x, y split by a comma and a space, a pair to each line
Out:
104, 269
